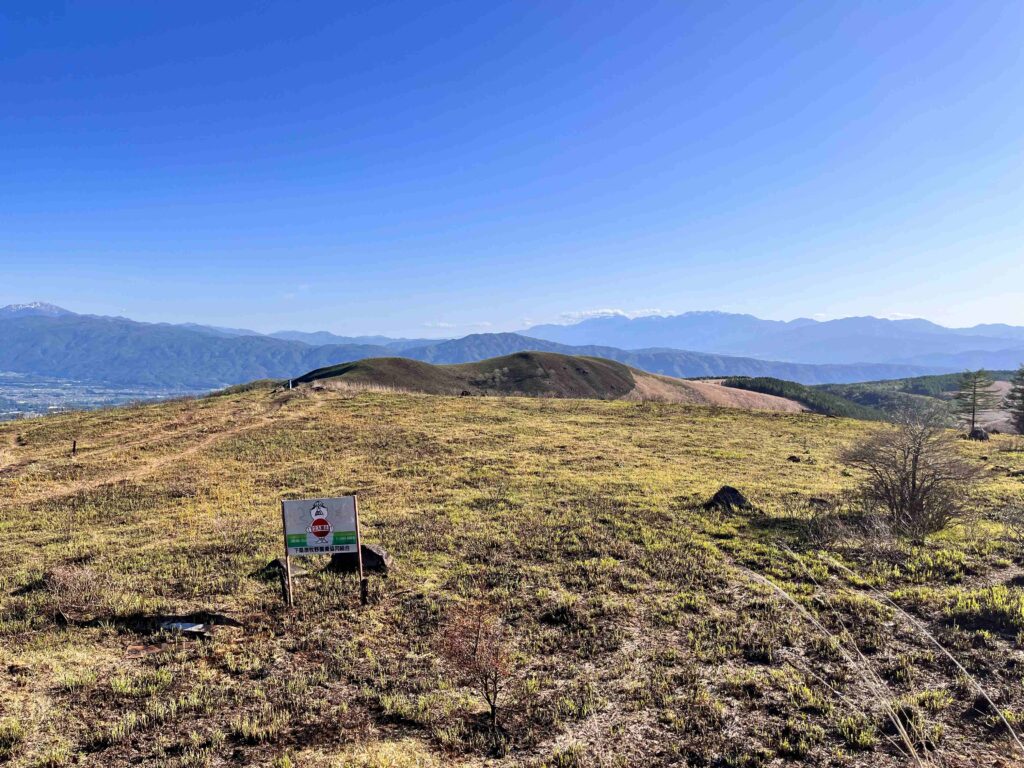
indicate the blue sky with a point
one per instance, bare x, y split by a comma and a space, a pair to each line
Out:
440, 168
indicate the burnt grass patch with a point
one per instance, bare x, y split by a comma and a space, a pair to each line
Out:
636, 626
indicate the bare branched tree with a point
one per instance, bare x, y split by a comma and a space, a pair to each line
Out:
915, 473
1012, 518
476, 647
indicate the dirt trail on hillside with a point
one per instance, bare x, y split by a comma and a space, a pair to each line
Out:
157, 463
668, 390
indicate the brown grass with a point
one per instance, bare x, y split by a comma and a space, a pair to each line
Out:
638, 638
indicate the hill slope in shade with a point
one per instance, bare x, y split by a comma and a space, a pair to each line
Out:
525, 373
539, 374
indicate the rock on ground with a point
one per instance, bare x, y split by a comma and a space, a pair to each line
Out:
728, 499
376, 559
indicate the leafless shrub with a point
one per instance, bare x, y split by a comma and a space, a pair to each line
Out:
845, 520
914, 472
476, 647
74, 590
818, 520
1012, 518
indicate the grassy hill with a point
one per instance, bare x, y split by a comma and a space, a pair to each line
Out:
536, 374
524, 373
642, 629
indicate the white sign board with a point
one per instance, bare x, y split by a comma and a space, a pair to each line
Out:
320, 526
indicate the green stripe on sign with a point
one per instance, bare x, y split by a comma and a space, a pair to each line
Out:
344, 537
296, 539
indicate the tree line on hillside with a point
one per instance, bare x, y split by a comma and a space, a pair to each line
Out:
964, 396
815, 399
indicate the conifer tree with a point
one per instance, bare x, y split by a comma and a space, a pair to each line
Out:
974, 396
1014, 401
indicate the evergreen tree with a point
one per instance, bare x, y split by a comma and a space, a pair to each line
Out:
974, 396
1014, 401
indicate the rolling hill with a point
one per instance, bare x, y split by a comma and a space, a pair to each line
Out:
524, 373
537, 374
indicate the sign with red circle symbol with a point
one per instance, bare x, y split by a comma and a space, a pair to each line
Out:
320, 528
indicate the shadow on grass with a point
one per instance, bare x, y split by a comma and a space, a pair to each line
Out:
145, 624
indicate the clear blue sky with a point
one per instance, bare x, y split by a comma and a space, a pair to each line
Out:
432, 168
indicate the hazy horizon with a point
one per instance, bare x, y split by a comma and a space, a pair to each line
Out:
566, 319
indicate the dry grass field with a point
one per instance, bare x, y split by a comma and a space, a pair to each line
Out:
639, 628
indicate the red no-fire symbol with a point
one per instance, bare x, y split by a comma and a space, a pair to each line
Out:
320, 528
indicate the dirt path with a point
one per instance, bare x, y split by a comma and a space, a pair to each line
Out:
157, 463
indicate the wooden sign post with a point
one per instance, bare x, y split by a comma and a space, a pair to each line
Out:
288, 599
363, 585
321, 527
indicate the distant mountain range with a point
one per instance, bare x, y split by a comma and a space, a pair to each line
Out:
46, 340
845, 341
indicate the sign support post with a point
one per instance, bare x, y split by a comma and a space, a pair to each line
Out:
363, 585
287, 581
